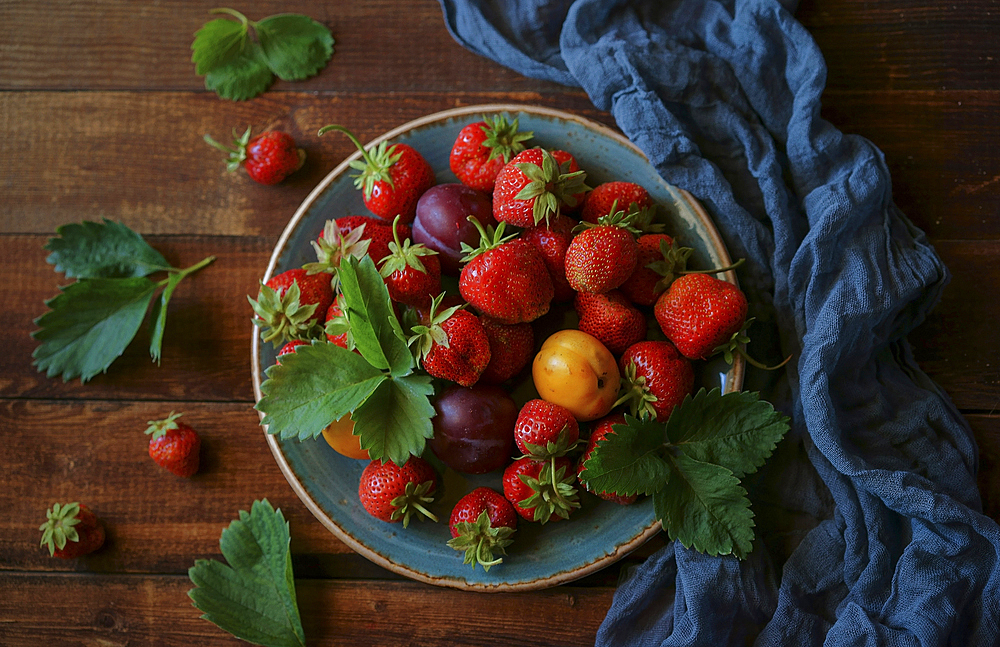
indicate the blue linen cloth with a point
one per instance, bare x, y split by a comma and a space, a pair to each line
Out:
869, 521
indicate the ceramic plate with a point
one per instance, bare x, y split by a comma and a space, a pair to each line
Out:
597, 534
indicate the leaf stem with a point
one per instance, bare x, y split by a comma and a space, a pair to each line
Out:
188, 270
235, 14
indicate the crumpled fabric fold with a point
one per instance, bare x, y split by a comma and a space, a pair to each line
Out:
869, 521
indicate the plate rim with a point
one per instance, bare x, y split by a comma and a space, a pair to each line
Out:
733, 383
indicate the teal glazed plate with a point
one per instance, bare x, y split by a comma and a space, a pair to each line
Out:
597, 534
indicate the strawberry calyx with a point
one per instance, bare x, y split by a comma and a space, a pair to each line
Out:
282, 318
426, 335
736, 345
552, 492
481, 541
412, 502
553, 448
489, 238
334, 245
403, 255
636, 394
159, 428
376, 164
503, 138
674, 263
616, 218
58, 528
235, 156
549, 187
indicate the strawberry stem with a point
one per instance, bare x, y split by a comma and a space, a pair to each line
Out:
350, 135
750, 360
235, 14
732, 266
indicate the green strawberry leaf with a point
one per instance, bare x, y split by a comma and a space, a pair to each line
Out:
253, 597
102, 250
630, 460
89, 325
295, 47
158, 316
314, 386
376, 330
703, 506
395, 421
738, 431
238, 67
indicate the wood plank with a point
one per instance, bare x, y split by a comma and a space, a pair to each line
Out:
941, 148
155, 610
161, 177
893, 44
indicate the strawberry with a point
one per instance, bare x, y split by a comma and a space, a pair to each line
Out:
600, 430
533, 188
336, 244
567, 166
174, 445
539, 492
412, 273
268, 158
602, 256
481, 524
336, 326
545, 430
393, 493
483, 148
392, 178
655, 379
505, 278
700, 314
647, 282
377, 232
71, 530
452, 345
290, 347
291, 304
605, 198
511, 348
552, 240
611, 319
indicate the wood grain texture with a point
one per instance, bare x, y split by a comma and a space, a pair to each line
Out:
155, 610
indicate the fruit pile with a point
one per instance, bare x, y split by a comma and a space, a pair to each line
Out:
577, 286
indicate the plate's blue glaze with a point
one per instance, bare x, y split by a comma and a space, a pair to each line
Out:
598, 533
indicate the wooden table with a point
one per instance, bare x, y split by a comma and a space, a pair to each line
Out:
101, 115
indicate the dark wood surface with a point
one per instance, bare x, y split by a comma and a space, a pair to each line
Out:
101, 115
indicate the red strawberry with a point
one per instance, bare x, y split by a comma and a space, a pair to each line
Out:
611, 318
601, 429
291, 304
602, 256
552, 241
290, 347
453, 345
377, 232
268, 158
656, 378
544, 430
700, 313
393, 493
483, 148
71, 530
653, 259
336, 326
174, 445
505, 278
606, 198
568, 165
392, 177
481, 524
532, 188
511, 348
412, 273
539, 492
